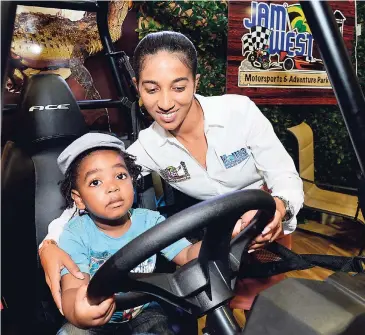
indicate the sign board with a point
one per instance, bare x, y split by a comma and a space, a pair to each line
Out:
272, 55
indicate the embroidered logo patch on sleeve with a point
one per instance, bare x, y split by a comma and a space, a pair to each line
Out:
175, 174
234, 158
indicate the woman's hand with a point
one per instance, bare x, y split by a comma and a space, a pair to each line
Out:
270, 233
53, 260
86, 315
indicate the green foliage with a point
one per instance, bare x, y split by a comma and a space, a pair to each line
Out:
361, 44
205, 23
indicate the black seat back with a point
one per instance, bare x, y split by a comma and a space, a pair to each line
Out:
51, 119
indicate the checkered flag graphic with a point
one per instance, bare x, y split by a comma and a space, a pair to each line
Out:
258, 38
247, 44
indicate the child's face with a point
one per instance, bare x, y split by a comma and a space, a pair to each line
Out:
104, 186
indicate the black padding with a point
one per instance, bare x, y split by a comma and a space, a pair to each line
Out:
18, 244
308, 307
31, 198
50, 110
49, 202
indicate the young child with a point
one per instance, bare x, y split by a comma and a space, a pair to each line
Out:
99, 178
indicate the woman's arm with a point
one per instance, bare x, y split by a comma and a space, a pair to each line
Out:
53, 260
55, 228
276, 165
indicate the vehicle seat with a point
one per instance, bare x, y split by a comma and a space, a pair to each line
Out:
51, 120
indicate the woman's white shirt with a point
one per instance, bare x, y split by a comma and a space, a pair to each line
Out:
243, 153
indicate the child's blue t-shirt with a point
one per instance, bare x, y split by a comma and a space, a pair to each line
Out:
89, 247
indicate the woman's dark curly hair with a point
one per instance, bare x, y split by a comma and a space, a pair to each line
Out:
69, 182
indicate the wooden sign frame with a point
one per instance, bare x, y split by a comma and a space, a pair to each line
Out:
272, 56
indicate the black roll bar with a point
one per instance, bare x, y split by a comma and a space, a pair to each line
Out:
85, 104
344, 81
343, 78
86, 5
8, 10
118, 61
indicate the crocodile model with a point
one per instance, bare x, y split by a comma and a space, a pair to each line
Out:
54, 43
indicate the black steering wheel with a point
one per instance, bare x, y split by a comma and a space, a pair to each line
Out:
201, 285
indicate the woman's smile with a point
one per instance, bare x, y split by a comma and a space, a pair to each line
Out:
168, 117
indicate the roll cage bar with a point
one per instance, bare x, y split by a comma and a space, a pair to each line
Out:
118, 61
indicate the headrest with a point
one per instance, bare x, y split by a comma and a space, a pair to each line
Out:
49, 110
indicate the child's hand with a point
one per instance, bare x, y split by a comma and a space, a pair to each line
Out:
87, 315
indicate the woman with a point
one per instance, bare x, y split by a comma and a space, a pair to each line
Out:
202, 146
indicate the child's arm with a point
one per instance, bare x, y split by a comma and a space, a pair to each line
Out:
53, 258
187, 254
76, 307
182, 251
192, 251
75, 241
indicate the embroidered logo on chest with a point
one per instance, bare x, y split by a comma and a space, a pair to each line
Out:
175, 174
234, 158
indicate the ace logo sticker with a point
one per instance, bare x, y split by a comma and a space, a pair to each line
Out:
49, 107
